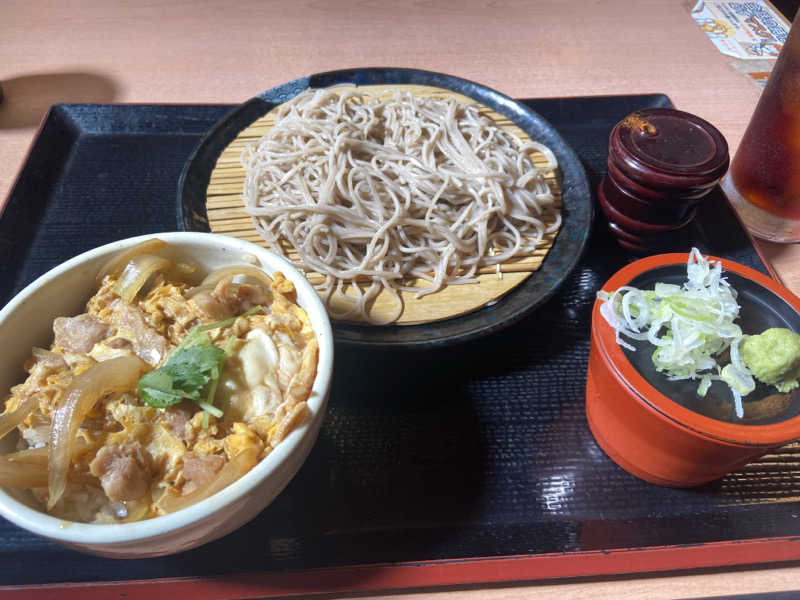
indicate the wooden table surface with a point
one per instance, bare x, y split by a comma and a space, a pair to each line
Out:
219, 52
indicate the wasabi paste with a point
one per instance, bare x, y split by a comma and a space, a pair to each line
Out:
773, 357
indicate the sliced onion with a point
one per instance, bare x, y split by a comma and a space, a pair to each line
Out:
10, 419
136, 273
35, 456
28, 468
114, 375
230, 472
39, 456
114, 265
215, 277
196, 290
22, 474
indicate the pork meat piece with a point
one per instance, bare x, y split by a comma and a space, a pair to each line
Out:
177, 416
210, 307
48, 361
119, 343
124, 470
79, 334
148, 344
240, 297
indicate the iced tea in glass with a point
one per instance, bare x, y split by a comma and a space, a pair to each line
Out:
764, 179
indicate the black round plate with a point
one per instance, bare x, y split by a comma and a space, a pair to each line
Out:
532, 292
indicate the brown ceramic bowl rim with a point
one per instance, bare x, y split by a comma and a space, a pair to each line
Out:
614, 358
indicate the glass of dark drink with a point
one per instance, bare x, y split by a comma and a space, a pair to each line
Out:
763, 182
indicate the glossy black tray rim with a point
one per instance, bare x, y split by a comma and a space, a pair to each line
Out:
562, 258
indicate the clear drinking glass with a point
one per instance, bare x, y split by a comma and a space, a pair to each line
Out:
763, 183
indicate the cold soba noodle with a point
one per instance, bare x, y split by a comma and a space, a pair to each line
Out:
388, 188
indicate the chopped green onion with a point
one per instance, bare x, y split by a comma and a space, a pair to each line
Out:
690, 325
209, 408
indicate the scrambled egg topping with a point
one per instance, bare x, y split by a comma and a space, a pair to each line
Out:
135, 461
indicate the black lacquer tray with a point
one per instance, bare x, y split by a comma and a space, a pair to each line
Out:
479, 452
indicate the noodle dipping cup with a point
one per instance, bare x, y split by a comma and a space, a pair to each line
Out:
662, 431
26, 321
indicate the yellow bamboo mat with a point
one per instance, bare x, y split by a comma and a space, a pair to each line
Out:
226, 215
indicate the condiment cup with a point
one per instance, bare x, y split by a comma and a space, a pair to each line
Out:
614, 215
655, 195
660, 430
26, 321
661, 162
661, 213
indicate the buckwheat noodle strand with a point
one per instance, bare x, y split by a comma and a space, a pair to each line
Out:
385, 188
